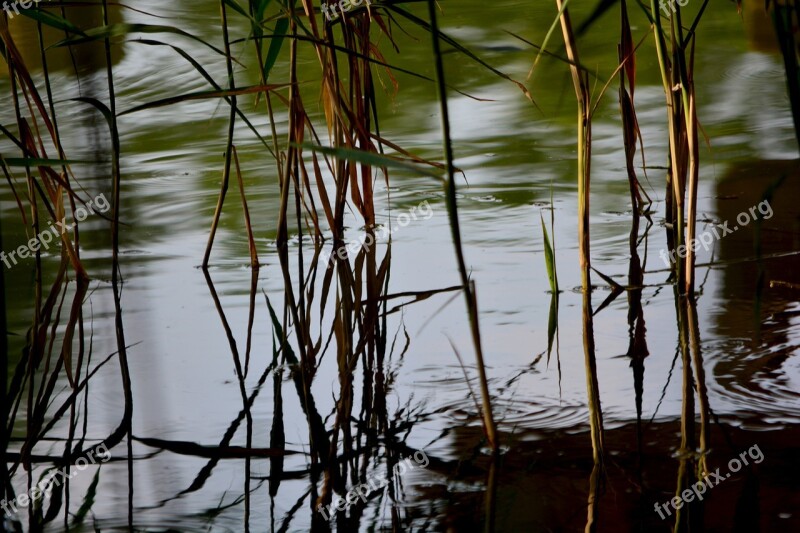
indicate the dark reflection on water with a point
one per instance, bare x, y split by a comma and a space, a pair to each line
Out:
760, 267
543, 485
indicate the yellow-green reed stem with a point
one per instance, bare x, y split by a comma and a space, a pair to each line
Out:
700, 382
583, 94
687, 410
686, 73
674, 173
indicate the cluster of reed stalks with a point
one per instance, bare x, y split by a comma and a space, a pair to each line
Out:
321, 173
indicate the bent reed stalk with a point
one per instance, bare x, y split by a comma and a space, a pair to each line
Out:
468, 286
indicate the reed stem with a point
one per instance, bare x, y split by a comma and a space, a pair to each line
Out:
452, 210
226, 172
583, 94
